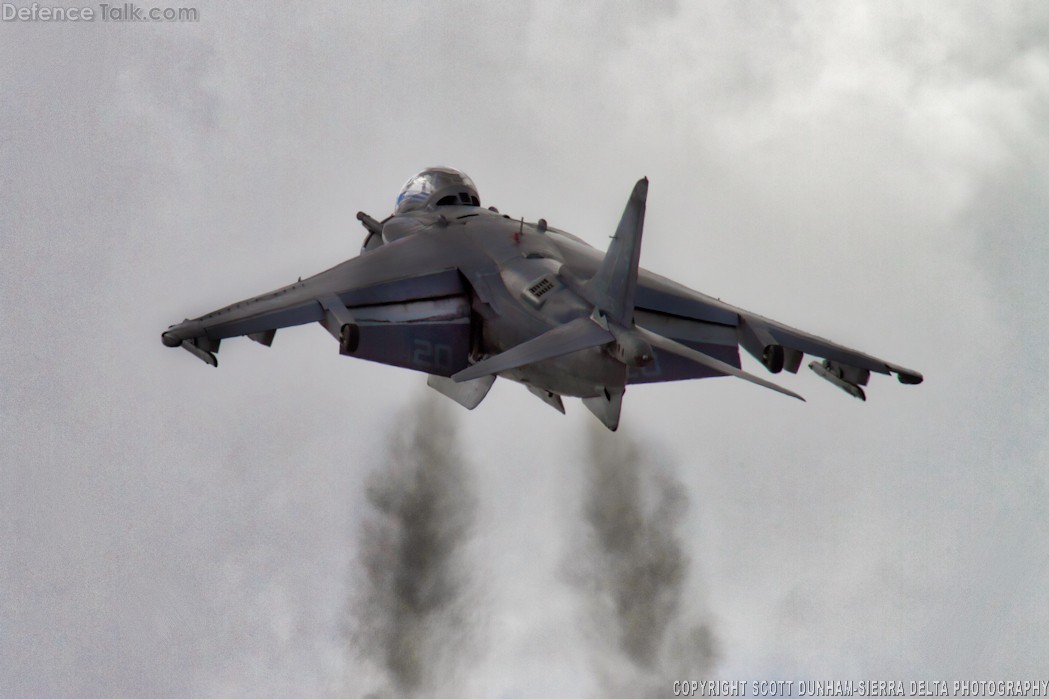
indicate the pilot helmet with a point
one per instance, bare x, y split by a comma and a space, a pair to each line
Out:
444, 185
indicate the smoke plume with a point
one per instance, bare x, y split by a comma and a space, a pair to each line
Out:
408, 614
636, 568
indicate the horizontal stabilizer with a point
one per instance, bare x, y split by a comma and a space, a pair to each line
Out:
706, 360
580, 334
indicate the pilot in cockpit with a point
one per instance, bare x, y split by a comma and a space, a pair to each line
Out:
437, 186
431, 188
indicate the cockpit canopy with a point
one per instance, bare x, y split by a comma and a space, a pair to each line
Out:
440, 186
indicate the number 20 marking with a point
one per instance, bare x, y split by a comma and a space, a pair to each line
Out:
432, 354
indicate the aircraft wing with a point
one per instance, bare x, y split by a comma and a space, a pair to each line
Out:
404, 303
776, 345
717, 328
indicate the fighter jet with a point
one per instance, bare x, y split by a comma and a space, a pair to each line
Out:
466, 294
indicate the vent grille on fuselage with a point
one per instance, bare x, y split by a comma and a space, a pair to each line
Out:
541, 287
535, 292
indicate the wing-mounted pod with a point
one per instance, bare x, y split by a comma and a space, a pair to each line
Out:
779, 347
907, 376
847, 378
200, 346
757, 339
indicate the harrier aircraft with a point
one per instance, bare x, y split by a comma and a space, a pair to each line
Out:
464, 294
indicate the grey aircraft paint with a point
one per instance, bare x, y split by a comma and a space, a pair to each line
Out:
464, 294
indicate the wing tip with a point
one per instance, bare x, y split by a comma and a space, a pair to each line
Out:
787, 392
910, 378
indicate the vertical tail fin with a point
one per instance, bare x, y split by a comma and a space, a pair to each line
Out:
612, 288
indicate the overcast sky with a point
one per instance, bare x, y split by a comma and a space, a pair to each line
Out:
874, 173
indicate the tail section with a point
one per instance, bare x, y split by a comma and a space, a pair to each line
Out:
611, 291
